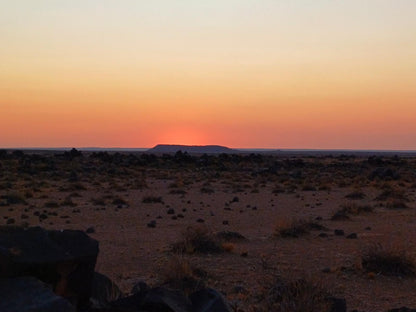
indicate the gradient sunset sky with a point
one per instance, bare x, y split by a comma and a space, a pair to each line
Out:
322, 74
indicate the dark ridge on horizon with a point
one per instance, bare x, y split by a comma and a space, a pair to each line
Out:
195, 149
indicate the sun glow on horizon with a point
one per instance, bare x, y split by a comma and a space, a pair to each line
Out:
239, 73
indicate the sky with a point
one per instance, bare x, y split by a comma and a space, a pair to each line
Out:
322, 74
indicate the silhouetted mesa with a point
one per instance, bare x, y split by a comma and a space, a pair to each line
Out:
196, 149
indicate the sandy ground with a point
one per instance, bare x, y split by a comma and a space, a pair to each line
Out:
131, 251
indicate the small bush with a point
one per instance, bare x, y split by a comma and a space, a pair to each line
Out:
178, 273
207, 190
51, 204
119, 201
296, 227
350, 209
388, 261
68, 202
297, 295
356, 195
198, 240
396, 204
152, 199
177, 192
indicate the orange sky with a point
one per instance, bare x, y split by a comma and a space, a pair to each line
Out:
271, 74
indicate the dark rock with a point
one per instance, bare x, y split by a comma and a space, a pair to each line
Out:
339, 232
225, 222
337, 304
103, 291
90, 230
170, 211
238, 289
155, 300
152, 224
63, 259
200, 220
323, 235
402, 309
208, 300
352, 236
140, 286
27, 294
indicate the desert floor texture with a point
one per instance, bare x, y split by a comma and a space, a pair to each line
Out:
287, 207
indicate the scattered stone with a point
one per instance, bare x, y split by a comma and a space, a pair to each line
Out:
225, 222
323, 235
171, 211
339, 232
368, 228
326, 270
90, 230
200, 220
152, 224
352, 236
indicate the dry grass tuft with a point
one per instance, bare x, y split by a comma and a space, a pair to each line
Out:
296, 227
178, 273
393, 261
198, 240
297, 295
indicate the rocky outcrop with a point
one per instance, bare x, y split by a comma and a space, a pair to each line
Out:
27, 294
63, 259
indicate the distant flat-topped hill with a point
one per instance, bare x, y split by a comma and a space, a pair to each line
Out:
196, 149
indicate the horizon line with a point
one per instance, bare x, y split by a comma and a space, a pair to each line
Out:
86, 148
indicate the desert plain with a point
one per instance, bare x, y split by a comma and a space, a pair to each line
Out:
328, 219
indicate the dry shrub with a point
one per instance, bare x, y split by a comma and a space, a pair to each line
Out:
396, 204
297, 295
393, 261
392, 193
198, 240
178, 273
296, 227
152, 199
354, 209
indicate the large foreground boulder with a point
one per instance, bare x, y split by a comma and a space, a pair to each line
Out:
63, 259
209, 300
157, 299
104, 291
27, 294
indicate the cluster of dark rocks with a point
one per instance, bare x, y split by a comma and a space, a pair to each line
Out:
53, 271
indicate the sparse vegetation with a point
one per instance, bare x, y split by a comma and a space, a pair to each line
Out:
297, 295
296, 227
178, 273
152, 199
197, 240
393, 261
